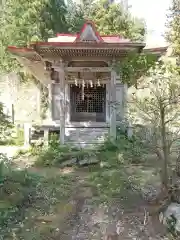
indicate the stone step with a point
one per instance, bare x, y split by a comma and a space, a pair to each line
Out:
80, 136
83, 136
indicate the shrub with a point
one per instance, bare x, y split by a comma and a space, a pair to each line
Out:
5, 124
19, 137
55, 154
13, 136
123, 150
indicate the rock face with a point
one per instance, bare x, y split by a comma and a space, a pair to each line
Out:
171, 215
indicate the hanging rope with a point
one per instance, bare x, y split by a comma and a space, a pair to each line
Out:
83, 85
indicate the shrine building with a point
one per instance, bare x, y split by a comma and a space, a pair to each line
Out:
87, 99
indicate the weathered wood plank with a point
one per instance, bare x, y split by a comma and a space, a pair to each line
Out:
27, 134
113, 105
87, 69
62, 101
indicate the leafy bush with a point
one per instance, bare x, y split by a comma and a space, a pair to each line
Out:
13, 136
18, 140
123, 150
5, 126
54, 154
111, 153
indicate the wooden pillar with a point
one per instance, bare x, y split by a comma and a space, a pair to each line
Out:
50, 101
46, 137
113, 105
27, 134
130, 131
61, 72
125, 99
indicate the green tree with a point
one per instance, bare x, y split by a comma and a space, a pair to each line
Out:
114, 19
135, 65
109, 18
156, 107
25, 21
75, 16
5, 123
35, 20
173, 23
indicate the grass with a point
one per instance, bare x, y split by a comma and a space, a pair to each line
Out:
55, 154
119, 152
13, 137
110, 184
110, 178
27, 198
35, 203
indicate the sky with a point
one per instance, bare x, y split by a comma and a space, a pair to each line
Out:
154, 12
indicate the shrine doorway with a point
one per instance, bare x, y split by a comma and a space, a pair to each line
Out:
88, 103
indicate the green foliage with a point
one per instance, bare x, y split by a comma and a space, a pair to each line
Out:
75, 16
5, 125
121, 151
24, 197
109, 184
171, 223
161, 91
54, 154
27, 21
134, 65
108, 18
13, 136
18, 190
155, 106
114, 19
114, 184
18, 140
112, 180
44, 101
173, 34
23, 22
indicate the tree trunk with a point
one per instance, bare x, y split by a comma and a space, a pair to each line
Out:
164, 148
159, 154
178, 165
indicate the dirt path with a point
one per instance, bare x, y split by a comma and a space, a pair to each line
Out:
82, 218
89, 221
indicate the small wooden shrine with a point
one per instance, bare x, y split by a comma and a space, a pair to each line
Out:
86, 97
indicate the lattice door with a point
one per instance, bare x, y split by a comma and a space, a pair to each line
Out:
91, 106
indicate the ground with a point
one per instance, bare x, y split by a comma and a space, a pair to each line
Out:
91, 203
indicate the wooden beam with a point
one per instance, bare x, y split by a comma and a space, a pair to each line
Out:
46, 137
37, 70
88, 69
125, 99
50, 101
62, 102
91, 59
113, 105
27, 134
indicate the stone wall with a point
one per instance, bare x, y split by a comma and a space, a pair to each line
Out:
20, 99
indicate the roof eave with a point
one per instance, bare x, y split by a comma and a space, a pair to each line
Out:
36, 45
157, 50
